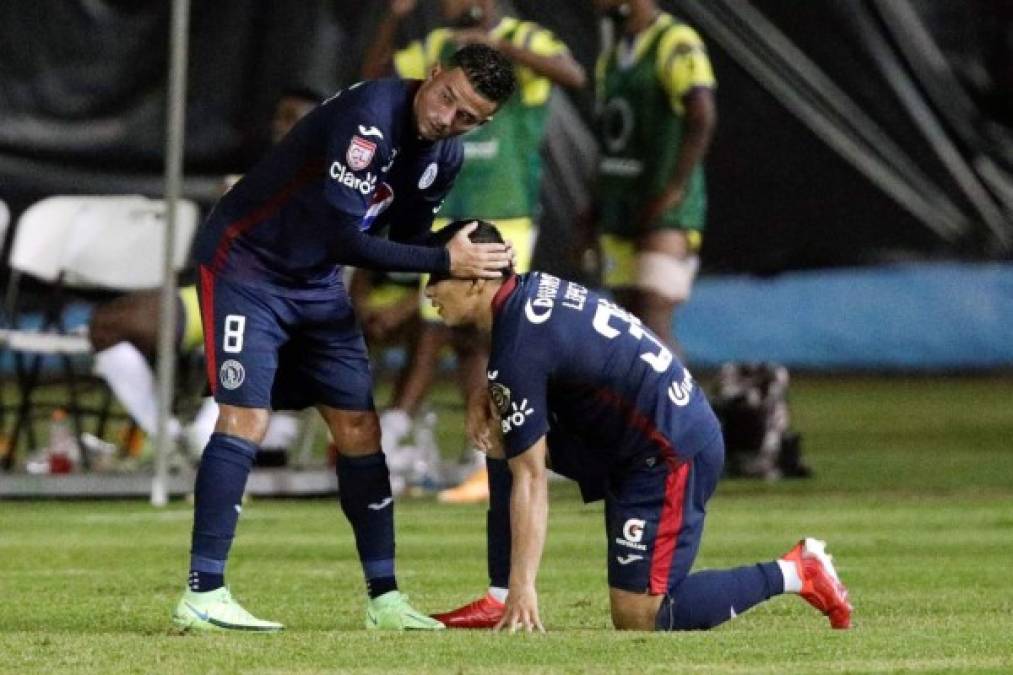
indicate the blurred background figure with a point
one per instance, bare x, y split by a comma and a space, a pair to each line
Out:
499, 182
656, 116
124, 335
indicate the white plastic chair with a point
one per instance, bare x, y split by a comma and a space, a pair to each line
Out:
91, 242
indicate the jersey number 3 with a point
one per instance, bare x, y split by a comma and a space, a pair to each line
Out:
678, 392
659, 361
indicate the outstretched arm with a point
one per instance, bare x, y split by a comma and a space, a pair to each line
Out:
529, 512
461, 257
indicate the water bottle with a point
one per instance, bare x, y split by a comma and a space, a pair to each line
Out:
426, 470
64, 452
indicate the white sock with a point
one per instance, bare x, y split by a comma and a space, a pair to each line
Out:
282, 431
792, 581
395, 424
203, 425
497, 593
128, 374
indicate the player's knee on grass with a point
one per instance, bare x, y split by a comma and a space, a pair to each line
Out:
247, 423
355, 432
633, 611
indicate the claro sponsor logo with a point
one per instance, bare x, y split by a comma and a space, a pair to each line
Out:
516, 415
365, 185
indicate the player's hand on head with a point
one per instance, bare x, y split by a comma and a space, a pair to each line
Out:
402, 8
469, 260
521, 612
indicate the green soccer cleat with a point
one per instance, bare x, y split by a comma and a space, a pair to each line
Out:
391, 611
216, 610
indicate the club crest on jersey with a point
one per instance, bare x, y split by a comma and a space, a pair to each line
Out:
232, 374
360, 153
500, 395
428, 176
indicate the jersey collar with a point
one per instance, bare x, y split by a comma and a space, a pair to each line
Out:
629, 53
508, 287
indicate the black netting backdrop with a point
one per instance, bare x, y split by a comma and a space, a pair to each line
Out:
82, 101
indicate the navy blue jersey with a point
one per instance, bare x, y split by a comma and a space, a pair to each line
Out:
351, 169
567, 360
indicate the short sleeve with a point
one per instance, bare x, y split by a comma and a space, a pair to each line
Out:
544, 43
410, 62
534, 88
683, 64
414, 61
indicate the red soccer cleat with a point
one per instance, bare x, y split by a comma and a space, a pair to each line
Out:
483, 613
821, 587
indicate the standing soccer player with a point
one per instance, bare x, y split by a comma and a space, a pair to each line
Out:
580, 383
655, 96
279, 329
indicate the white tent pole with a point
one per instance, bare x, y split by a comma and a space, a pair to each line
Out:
175, 116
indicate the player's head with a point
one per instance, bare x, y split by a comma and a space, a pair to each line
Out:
464, 94
616, 10
467, 13
294, 103
463, 302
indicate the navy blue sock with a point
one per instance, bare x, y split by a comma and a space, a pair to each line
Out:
218, 497
364, 493
497, 522
708, 598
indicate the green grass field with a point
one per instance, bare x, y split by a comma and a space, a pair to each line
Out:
913, 490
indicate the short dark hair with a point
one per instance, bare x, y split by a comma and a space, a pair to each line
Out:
485, 233
489, 71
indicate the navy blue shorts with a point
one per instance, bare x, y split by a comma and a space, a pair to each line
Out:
273, 351
654, 516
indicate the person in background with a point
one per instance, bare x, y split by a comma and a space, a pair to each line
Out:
656, 115
124, 333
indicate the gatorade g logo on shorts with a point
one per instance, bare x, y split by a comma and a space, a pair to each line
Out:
633, 530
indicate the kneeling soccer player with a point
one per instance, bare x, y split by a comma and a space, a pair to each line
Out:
577, 382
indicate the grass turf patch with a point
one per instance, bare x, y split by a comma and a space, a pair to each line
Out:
913, 490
